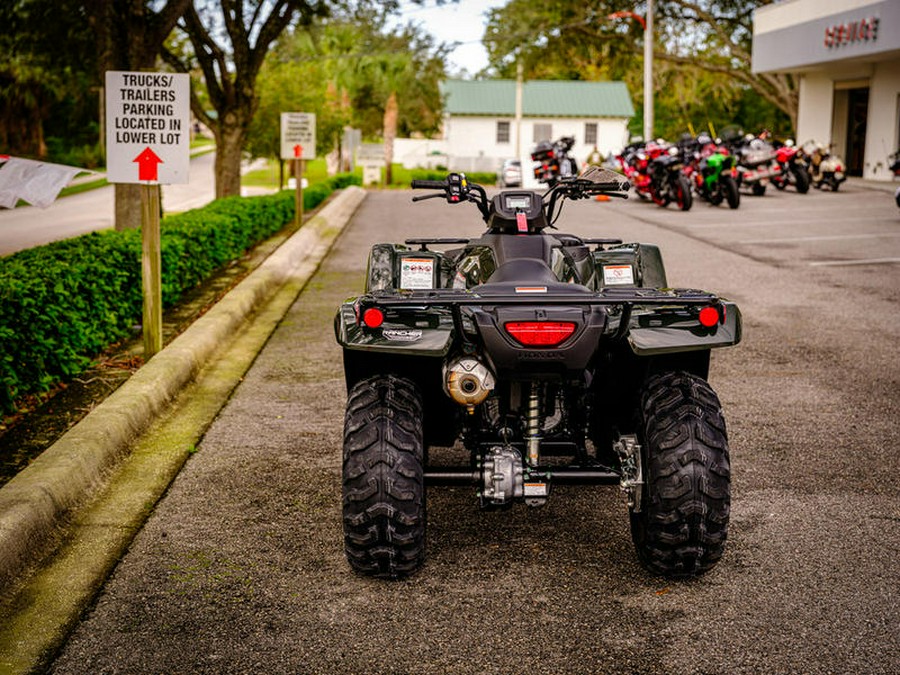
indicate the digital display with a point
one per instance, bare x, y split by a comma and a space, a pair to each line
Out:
517, 201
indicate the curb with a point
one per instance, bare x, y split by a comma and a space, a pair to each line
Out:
36, 503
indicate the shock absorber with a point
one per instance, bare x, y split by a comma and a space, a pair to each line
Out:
533, 425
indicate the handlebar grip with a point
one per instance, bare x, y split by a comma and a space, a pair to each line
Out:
428, 184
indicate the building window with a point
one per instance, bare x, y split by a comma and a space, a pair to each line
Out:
590, 133
543, 132
503, 132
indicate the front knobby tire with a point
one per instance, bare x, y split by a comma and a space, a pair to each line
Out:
683, 523
383, 478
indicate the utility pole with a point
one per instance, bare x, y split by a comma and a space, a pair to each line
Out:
647, 26
648, 73
519, 85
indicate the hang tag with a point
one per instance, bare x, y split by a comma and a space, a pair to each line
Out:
521, 222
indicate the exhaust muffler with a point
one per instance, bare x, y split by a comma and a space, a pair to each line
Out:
468, 381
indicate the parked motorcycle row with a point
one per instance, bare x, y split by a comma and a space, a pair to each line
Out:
718, 170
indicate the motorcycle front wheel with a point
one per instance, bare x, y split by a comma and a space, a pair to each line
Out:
683, 196
801, 178
383, 494
732, 194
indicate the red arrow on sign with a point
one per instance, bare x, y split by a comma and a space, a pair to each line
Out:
298, 150
148, 164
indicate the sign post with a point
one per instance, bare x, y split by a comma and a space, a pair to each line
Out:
148, 142
298, 143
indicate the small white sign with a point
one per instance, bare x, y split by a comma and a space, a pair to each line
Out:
416, 273
298, 135
618, 275
148, 118
370, 153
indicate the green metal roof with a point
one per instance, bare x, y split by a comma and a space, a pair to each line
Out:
540, 98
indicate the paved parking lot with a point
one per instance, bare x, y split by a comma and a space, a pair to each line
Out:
240, 568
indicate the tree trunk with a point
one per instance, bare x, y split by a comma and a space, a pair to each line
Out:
229, 143
390, 133
128, 206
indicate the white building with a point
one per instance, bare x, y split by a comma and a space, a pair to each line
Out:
488, 121
846, 54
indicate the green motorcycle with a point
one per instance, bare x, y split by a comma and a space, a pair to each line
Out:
711, 170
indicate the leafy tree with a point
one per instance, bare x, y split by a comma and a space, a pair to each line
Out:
129, 36
230, 40
701, 56
351, 69
45, 64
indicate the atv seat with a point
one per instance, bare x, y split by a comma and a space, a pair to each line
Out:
522, 271
508, 247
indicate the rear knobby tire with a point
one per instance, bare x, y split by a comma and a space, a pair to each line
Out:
683, 523
383, 478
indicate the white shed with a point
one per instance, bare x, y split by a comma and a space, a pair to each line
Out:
483, 125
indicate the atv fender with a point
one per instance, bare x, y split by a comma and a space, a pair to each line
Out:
395, 337
659, 332
635, 265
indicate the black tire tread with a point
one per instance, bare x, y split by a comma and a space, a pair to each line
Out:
682, 527
383, 493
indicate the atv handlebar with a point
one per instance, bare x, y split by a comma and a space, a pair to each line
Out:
455, 188
428, 184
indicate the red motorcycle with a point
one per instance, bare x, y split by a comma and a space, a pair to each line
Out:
793, 168
655, 173
633, 163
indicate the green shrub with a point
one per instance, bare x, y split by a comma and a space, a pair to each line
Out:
63, 303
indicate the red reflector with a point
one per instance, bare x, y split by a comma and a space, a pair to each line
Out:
709, 317
373, 317
540, 333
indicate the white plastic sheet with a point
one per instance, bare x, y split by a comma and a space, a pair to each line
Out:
37, 183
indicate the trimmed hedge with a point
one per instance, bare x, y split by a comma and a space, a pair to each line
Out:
63, 303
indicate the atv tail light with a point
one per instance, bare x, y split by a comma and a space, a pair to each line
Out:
373, 317
540, 333
709, 317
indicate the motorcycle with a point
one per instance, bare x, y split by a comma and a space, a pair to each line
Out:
825, 169
711, 170
554, 160
895, 169
757, 163
632, 162
667, 182
793, 167
551, 359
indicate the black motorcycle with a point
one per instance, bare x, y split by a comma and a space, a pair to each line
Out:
554, 160
668, 184
548, 359
895, 169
